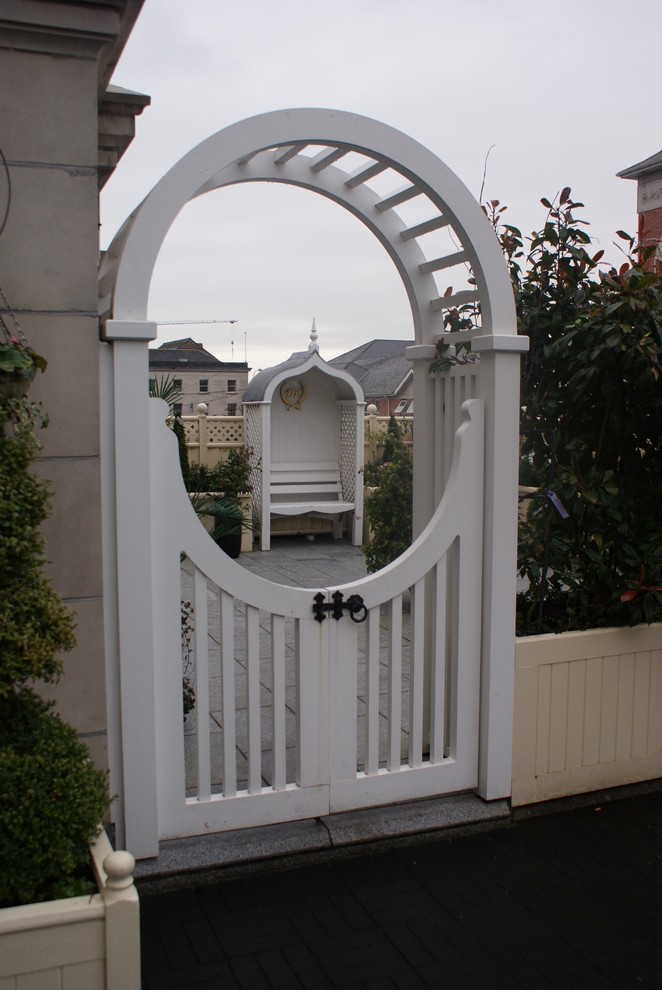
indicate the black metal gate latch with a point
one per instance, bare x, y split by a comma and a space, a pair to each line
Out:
354, 606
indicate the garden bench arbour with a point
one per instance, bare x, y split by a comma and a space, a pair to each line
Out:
304, 428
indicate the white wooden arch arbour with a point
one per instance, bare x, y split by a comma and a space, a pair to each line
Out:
306, 148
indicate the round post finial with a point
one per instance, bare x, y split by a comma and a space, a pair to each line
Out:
119, 868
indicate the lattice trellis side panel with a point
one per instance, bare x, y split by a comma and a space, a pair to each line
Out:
348, 451
252, 431
191, 430
225, 431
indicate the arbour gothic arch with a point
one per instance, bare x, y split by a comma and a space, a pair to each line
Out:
272, 148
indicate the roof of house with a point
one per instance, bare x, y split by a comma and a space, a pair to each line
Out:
187, 355
379, 366
652, 164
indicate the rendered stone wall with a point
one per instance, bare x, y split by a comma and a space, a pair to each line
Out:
48, 271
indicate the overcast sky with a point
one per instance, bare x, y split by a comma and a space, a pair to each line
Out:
567, 92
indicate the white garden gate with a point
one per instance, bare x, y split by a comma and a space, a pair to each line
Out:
414, 700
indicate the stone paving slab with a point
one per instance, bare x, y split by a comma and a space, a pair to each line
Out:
180, 859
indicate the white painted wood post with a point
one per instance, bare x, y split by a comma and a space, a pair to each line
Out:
499, 387
357, 526
265, 535
122, 923
134, 579
202, 433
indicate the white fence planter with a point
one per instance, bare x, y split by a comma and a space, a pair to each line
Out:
79, 943
587, 711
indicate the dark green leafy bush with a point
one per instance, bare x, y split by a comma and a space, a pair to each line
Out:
388, 507
231, 477
34, 624
591, 424
51, 797
51, 802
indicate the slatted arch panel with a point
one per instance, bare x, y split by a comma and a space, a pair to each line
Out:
405, 203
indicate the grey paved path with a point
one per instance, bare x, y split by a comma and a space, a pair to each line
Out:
572, 900
302, 563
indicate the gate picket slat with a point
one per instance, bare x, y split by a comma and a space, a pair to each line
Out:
343, 705
279, 772
393, 760
312, 714
438, 669
253, 699
372, 692
201, 632
228, 696
416, 673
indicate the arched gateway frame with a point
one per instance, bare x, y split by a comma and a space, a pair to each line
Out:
463, 742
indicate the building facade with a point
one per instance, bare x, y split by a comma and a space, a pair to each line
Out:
648, 176
202, 377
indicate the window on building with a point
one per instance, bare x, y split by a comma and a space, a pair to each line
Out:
204, 384
177, 383
232, 408
232, 385
401, 406
177, 408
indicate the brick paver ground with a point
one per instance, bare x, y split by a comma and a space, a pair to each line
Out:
571, 900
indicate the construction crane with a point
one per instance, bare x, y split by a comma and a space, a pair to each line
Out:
172, 323
175, 323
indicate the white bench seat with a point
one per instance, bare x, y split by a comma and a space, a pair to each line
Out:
311, 488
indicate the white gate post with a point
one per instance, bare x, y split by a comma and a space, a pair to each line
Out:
134, 579
499, 387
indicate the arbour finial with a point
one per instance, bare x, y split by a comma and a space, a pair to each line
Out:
313, 345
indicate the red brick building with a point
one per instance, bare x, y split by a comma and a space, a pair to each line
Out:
648, 175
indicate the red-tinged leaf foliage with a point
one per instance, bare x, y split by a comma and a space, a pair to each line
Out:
591, 426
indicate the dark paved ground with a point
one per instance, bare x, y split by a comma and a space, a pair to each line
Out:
572, 900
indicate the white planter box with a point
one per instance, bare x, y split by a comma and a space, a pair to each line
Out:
81, 943
587, 711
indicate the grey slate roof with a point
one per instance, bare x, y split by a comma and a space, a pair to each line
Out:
256, 388
652, 164
186, 355
379, 366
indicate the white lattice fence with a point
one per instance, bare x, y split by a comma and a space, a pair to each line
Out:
348, 451
212, 436
253, 433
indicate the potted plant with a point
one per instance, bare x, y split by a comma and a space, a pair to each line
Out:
230, 521
220, 493
18, 364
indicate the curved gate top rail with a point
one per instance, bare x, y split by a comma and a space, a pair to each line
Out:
308, 148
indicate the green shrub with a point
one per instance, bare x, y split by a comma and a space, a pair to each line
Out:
51, 797
591, 425
51, 802
34, 624
388, 510
230, 477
